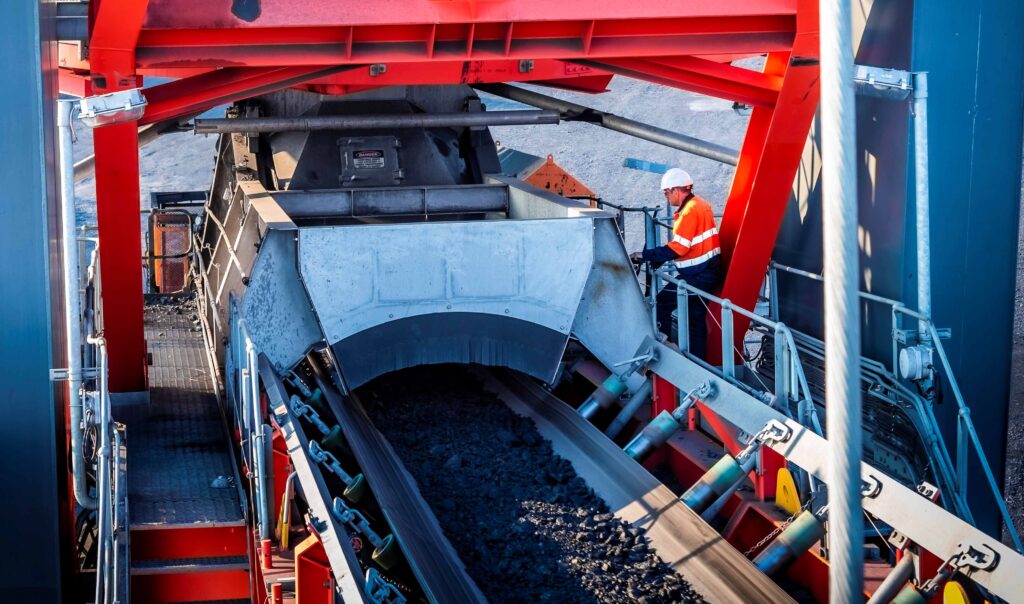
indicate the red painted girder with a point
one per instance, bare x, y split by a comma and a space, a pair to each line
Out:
117, 213
198, 93
73, 83
596, 31
701, 76
202, 13
763, 182
463, 72
220, 49
115, 31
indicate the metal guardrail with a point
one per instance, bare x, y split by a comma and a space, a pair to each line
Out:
243, 390
967, 435
112, 554
954, 478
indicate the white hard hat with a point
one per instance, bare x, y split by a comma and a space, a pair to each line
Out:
675, 177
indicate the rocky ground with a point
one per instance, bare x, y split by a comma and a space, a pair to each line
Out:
1015, 433
528, 528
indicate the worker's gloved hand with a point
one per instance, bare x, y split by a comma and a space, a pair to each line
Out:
636, 258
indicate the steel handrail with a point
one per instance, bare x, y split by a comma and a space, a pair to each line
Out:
967, 434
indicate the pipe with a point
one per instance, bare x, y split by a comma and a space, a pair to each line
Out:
375, 122
894, 581
796, 539
103, 511
842, 315
712, 511
637, 400
726, 472
923, 221
571, 112
72, 304
603, 397
286, 511
258, 451
147, 134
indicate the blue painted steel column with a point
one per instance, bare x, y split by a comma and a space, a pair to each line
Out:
973, 51
30, 557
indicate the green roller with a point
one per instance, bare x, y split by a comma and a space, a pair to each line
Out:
909, 595
355, 490
653, 436
333, 440
725, 473
387, 554
798, 537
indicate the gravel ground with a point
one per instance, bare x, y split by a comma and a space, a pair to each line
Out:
528, 528
1014, 482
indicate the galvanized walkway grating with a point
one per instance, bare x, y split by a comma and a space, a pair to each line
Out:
179, 448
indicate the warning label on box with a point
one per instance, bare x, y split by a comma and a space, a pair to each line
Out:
368, 159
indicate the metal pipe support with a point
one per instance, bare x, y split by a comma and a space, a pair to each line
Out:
572, 112
709, 514
259, 453
637, 400
258, 125
921, 198
894, 582
72, 303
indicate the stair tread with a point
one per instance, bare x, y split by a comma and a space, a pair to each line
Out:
182, 565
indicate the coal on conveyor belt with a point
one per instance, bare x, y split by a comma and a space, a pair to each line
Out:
526, 526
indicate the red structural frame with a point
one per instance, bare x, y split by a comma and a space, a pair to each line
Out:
328, 46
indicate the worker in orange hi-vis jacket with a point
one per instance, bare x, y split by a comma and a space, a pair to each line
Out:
696, 252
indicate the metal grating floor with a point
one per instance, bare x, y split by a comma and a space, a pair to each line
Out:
179, 447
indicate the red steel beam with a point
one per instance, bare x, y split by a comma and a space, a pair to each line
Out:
201, 92
701, 76
559, 73
178, 14
769, 160
189, 40
115, 30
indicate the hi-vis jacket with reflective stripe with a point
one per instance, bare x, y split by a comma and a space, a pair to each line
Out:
694, 237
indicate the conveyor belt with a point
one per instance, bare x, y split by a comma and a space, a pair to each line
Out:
441, 573
715, 569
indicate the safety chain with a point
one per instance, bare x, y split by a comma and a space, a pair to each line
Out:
773, 432
806, 505
704, 392
322, 456
379, 591
302, 410
355, 519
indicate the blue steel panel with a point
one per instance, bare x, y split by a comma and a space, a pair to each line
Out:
973, 51
882, 159
30, 559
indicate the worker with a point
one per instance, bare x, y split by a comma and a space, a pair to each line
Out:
696, 252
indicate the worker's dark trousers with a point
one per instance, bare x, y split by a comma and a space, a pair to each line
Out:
706, 277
